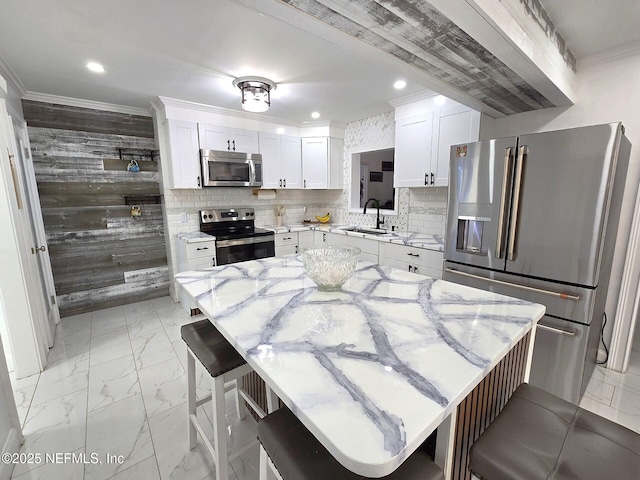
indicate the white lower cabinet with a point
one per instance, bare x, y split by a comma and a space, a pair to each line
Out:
369, 248
412, 259
286, 243
305, 239
193, 256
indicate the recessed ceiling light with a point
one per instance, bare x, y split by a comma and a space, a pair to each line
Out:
280, 130
400, 84
440, 100
95, 67
315, 115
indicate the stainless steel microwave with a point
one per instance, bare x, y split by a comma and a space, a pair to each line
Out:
230, 169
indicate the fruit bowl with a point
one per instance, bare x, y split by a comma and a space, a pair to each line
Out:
330, 266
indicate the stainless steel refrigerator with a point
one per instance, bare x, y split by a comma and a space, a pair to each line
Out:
536, 217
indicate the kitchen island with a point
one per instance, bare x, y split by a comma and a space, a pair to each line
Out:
374, 369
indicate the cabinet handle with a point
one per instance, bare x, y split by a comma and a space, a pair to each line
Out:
411, 268
414, 255
228, 144
285, 183
297, 249
280, 183
286, 238
556, 330
199, 180
305, 184
432, 178
203, 248
426, 180
234, 145
415, 269
324, 237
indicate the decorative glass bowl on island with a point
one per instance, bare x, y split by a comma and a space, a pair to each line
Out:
330, 266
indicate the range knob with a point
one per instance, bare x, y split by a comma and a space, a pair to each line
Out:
248, 214
210, 216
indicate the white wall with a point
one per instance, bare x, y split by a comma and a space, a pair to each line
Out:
606, 91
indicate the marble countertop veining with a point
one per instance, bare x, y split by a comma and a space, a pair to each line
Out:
419, 240
373, 369
195, 237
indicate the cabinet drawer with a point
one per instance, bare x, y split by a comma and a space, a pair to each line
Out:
365, 244
286, 239
200, 263
201, 249
412, 255
286, 250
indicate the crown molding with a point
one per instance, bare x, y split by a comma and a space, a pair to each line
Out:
10, 76
161, 102
609, 56
91, 104
414, 97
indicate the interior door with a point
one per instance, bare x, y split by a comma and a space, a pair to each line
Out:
561, 188
477, 214
40, 247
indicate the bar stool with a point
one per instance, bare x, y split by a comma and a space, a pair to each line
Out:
293, 453
226, 366
540, 436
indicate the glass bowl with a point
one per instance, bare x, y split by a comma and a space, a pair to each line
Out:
330, 266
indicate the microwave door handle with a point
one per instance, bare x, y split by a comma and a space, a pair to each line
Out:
252, 173
517, 187
503, 200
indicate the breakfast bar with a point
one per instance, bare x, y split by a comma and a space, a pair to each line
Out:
374, 369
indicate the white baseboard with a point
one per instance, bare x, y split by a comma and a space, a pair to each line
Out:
11, 445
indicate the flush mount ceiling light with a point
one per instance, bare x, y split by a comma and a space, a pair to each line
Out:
95, 67
315, 114
256, 93
399, 85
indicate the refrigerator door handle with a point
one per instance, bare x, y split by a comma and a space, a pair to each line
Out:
517, 186
503, 200
556, 330
562, 295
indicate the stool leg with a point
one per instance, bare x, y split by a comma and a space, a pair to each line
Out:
263, 464
219, 429
191, 395
273, 402
240, 410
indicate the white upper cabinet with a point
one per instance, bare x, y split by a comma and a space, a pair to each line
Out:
184, 161
454, 126
413, 151
322, 163
213, 137
281, 161
423, 143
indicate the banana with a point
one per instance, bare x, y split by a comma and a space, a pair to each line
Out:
324, 218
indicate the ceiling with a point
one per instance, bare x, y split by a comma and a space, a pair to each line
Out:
592, 27
152, 48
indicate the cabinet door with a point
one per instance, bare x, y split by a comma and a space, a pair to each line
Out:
291, 149
454, 128
213, 137
245, 141
414, 137
306, 239
315, 155
185, 155
271, 153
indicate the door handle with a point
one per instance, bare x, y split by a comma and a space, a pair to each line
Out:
517, 187
556, 330
503, 199
35, 250
562, 295
432, 182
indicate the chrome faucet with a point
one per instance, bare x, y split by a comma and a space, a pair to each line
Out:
377, 205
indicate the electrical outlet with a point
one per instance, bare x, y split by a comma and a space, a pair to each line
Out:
184, 218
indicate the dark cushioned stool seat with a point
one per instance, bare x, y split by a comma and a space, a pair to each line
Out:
297, 455
540, 436
214, 352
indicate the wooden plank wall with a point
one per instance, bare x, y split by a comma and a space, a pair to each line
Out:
101, 256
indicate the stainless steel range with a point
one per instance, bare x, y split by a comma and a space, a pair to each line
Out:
237, 238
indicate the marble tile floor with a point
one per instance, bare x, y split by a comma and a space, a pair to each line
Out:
116, 384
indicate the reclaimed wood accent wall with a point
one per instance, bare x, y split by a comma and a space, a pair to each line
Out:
101, 254
485, 402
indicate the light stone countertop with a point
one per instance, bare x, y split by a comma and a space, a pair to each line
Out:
371, 370
195, 237
419, 240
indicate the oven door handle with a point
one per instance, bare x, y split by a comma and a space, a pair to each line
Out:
244, 241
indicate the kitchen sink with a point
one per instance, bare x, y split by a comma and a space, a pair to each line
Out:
365, 230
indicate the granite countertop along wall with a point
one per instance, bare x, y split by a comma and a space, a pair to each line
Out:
411, 239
